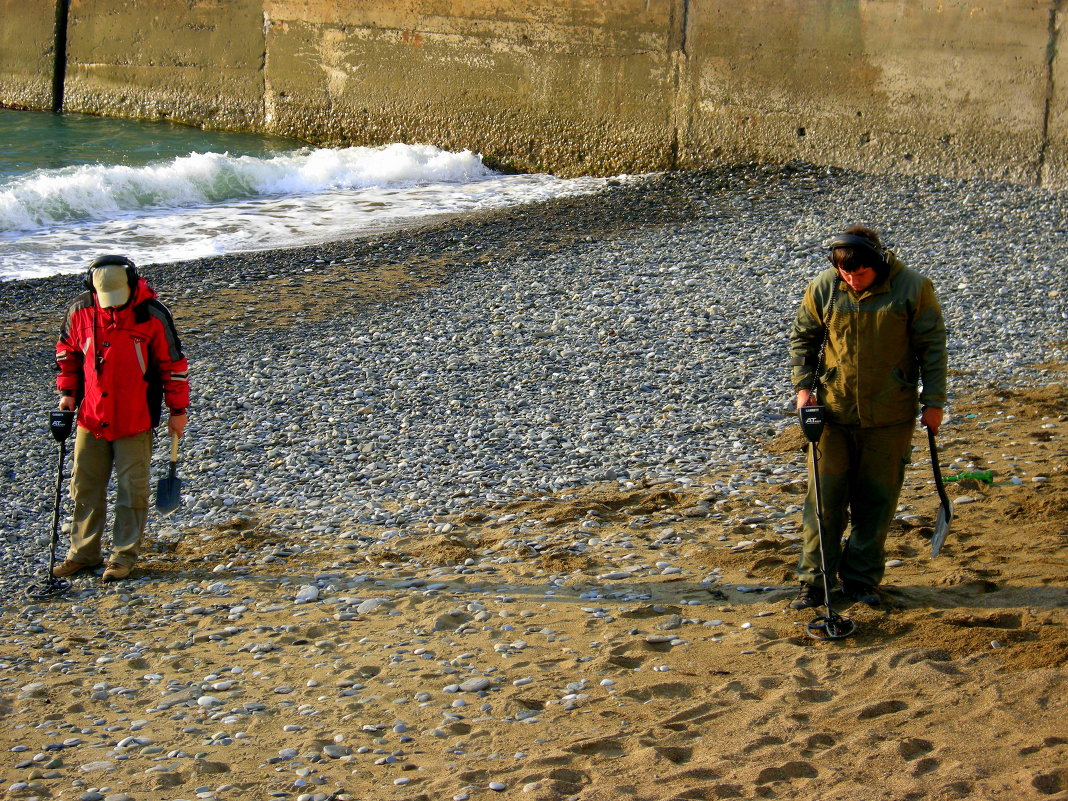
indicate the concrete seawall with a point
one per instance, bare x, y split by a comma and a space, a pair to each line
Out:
585, 86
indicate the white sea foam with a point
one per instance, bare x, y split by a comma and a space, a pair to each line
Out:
45, 197
203, 204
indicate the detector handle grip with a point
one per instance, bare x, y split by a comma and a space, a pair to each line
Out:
812, 421
60, 423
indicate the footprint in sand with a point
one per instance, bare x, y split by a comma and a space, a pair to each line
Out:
703, 791
787, 772
603, 747
626, 662
547, 789
702, 713
1049, 742
814, 695
1051, 783
677, 755
557, 783
723, 791
762, 742
913, 748
881, 708
925, 766
816, 743
569, 775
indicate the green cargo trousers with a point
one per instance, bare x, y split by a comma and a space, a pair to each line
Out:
861, 473
94, 460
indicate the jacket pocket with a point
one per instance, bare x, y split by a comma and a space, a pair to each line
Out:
142, 361
832, 393
903, 381
894, 401
828, 377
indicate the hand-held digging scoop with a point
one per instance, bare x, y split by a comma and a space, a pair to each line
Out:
169, 489
945, 510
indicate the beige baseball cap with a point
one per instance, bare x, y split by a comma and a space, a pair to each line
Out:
112, 285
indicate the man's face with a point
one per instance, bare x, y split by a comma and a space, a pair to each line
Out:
858, 280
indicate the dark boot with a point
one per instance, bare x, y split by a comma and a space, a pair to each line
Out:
809, 596
861, 593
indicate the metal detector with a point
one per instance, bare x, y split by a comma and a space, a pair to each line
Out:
831, 626
60, 423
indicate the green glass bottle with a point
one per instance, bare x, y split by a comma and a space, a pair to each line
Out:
986, 476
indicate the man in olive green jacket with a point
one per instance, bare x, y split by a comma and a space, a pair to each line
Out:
868, 335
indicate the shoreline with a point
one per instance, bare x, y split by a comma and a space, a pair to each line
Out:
421, 247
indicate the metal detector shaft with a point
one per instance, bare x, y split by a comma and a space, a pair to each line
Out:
819, 525
60, 425
830, 626
55, 509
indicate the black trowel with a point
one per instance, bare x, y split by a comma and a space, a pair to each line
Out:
169, 488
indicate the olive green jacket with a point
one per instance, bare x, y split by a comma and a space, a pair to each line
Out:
883, 342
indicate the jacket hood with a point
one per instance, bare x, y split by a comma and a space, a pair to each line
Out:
894, 264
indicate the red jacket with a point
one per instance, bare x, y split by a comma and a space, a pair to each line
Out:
119, 363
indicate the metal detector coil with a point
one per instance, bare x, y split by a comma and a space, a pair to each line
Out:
830, 627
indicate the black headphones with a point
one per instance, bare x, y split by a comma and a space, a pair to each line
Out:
107, 261
855, 241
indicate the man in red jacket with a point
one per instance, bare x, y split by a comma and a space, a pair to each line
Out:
118, 357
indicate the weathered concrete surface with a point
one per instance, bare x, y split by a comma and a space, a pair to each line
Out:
948, 87
27, 28
957, 87
576, 87
191, 61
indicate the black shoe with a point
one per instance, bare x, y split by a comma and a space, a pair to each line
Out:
810, 596
861, 593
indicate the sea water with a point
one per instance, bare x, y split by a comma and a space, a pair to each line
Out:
73, 187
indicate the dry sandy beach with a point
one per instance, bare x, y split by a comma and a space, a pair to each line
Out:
474, 664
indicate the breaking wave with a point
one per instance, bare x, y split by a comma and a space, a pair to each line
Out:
95, 192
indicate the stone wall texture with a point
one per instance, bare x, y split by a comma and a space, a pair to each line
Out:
582, 86
27, 31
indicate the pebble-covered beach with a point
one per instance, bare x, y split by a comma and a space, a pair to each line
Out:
430, 396
636, 334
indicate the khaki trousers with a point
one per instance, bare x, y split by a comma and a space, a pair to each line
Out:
94, 460
861, 473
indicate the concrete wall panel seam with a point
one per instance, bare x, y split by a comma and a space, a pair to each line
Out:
1055, 11
59, 65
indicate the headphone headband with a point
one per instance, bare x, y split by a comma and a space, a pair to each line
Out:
855, 241
104, 261
108, 261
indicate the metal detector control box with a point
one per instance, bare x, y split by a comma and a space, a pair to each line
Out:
60, 424
811, 418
